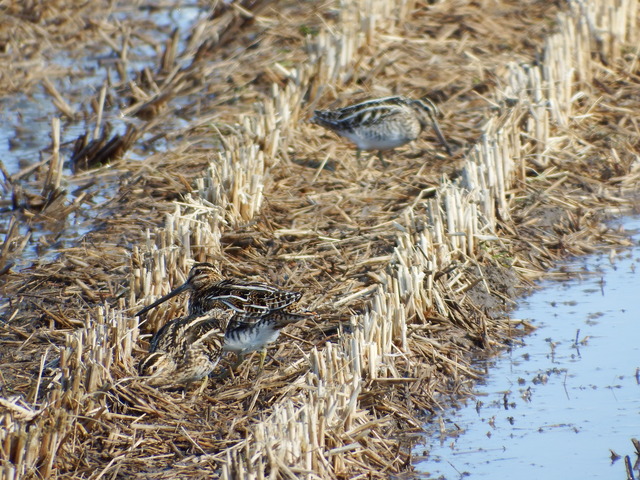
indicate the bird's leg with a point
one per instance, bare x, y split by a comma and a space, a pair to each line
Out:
263, 356
264, 353
358, 155
384, 163
239, 360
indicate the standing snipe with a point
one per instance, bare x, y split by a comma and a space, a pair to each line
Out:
186, 349
243, 337
383, 123
258, 311
209, 290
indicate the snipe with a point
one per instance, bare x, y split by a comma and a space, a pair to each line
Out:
258, 310
186, 349
208, 290
383, 123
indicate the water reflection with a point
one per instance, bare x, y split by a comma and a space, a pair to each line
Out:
26, 132
557, 407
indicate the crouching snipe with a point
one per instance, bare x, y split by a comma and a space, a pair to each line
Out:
249, 317
186, 349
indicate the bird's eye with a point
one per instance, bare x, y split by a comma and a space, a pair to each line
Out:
197, 272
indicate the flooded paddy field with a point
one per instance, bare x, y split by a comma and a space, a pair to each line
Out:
566, 402
177, 133
83, 95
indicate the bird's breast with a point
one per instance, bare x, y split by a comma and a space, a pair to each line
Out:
380, 137
251, 338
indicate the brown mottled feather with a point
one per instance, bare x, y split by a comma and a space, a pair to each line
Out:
186, 349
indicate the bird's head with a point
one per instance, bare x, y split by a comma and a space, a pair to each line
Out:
157, 367
201, 275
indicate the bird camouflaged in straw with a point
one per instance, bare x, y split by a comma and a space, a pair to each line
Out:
383, 123
258, 310
186, 349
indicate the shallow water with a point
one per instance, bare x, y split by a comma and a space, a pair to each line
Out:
25, 124
555, 407
26, 118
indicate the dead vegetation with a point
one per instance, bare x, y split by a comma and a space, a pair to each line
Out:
411, 268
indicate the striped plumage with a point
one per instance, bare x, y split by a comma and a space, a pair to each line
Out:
383, 123
186, 349
208, 290
242, 338
257, 311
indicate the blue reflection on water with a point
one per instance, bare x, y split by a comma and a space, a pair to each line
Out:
25, 121
554, 408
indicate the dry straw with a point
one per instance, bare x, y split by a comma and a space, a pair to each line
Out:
287, 441
325, 420
307, 433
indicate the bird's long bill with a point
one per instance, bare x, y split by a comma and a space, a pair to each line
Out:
169, 295
441, 139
